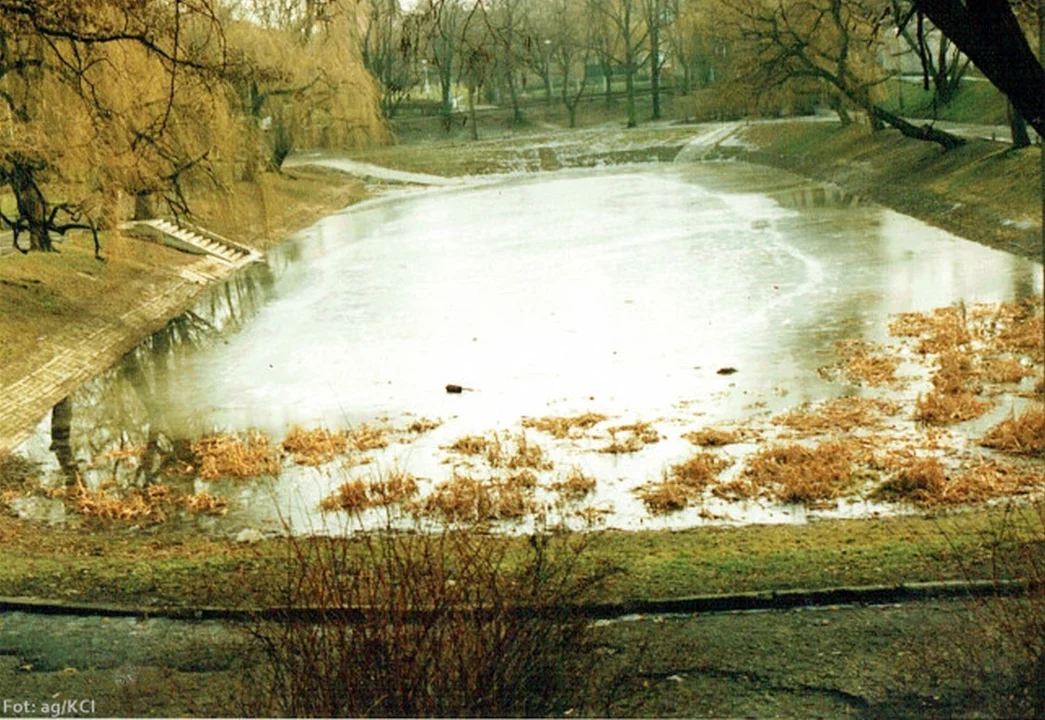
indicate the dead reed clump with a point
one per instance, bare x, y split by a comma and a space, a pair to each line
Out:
1022, 434
699, 471
150, 504
953, 397
985, 479
1004, 370
936, 408
465, 499
1025, 334
942, 329
314, 447
864, 362
575, 486
206, 504
423, 425
715, 437
637, 435
232, 457
394, 488
815, 477
666, 496
526, 455
524, 479
564, 427
352, 496
919, 480
470, 445
368, 437
843, 414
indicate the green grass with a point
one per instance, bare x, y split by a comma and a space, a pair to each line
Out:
977, 102
109, 566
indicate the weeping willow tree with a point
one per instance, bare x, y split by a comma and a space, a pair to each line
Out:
104, 100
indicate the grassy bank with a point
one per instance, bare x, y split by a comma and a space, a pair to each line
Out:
163, 568
982, 191
42, 295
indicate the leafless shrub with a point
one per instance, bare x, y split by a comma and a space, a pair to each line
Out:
408, 624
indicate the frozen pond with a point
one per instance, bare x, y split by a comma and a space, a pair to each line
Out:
620, 291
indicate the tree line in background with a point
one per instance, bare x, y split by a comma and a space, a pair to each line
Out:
756, 53
112, 104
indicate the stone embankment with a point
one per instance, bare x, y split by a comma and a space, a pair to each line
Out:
82, 351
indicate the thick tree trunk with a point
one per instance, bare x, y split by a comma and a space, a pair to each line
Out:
471, 111
1018, 126
925, 132
989, 34
654, 75
32, 207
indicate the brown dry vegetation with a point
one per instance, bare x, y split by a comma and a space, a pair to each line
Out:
229, 456
717, 437
564, 427
1019, 435
636, 436
814, 476
864, 362
839, 415
514, 452
953, 397
359, 494
575, 486
467, 499
151, 504
314, 447
940, 330
682, 483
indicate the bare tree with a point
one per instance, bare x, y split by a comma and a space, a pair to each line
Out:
573, 47
826, 41
629, 35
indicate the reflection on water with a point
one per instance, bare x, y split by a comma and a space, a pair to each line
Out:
615, 291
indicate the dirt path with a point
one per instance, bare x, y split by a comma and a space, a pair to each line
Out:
871, 661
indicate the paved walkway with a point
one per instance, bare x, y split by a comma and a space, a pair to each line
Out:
81, 352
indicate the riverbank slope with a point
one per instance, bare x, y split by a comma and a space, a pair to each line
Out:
66, 317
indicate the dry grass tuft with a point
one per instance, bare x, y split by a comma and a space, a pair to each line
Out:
423, 425
467, 499
564, 427
637, 435
1004, 370
988, 479
396, 487
839, 415
815, 477
575, 486
683, 483
716, 437
206, 504
953, 397
368, 437
358, 495
699, 471
914, 479
864, 362
470, 445
664, 497
939, 330
1019, 435
149, 504
352, 496
314, 447
514, 452
936, 408
231, 457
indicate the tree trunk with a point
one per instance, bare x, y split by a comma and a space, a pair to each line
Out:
925, 132
471, 111
607, 78
1018, 126
629, 84
836, 104
32, 207
654, 75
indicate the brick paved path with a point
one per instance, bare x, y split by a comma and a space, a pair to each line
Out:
73, 357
